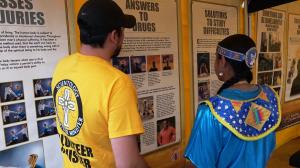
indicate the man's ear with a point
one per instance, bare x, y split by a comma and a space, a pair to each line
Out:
113, 36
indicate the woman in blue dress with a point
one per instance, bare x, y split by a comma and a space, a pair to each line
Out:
235, 128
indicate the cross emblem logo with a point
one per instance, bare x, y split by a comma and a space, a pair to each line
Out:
67, 106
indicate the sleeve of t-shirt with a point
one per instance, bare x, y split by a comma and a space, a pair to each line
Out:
124, 118
205, 142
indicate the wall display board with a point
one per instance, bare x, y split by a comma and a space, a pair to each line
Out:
292, 90
32, 39
270, 35
211, 23
150, 57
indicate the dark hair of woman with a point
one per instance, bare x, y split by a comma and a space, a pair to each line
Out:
238, 43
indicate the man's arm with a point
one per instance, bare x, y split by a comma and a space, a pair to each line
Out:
126, 152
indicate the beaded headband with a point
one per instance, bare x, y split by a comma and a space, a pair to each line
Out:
249, 58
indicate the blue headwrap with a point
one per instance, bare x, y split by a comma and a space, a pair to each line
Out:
249, 58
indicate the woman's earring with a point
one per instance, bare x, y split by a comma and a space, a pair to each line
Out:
221, 74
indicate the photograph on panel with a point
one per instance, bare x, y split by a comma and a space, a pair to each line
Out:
291, 71
265, 62
153, 63
274, 42
277, 60
121, 63
167, 62
145, 106
16, 134
29, 155
203, 90
295, 90
265, 78
203, 65
42, 87
44, 107
46, 127
13, 113
277, 78
11, 91
138, 64
166, 131
264, 42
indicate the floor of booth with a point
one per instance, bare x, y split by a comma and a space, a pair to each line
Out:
281, 156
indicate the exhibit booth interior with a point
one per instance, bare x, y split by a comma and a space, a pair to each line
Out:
169, 55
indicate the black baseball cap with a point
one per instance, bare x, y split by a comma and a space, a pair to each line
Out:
96, 18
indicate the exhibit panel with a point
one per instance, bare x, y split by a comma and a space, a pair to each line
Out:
33, 39
210, 24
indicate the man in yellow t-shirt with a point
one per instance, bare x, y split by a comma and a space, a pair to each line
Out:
96, 104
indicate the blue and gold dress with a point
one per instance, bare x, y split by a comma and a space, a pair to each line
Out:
235, 129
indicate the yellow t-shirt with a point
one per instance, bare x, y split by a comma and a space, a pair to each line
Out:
95, 102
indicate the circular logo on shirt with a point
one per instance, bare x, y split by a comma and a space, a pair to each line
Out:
69, 107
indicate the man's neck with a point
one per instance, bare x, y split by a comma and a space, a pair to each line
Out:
88, 50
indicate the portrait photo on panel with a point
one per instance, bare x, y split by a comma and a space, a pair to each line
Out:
138, 64
265, 78
295, 90
44, 107
203, 90
166, 131
30, 155
291, 71
145, 106
46, 127
13, 113
264, 42
265, 62
274, 42
42, 87
153, 63
203, 65
16, 134
11, 91
277, 78
277, 60
167, 62
121, 63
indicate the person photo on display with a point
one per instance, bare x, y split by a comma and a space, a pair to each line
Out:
32, 161
235, 128
167, 133
153, 67
166, 61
